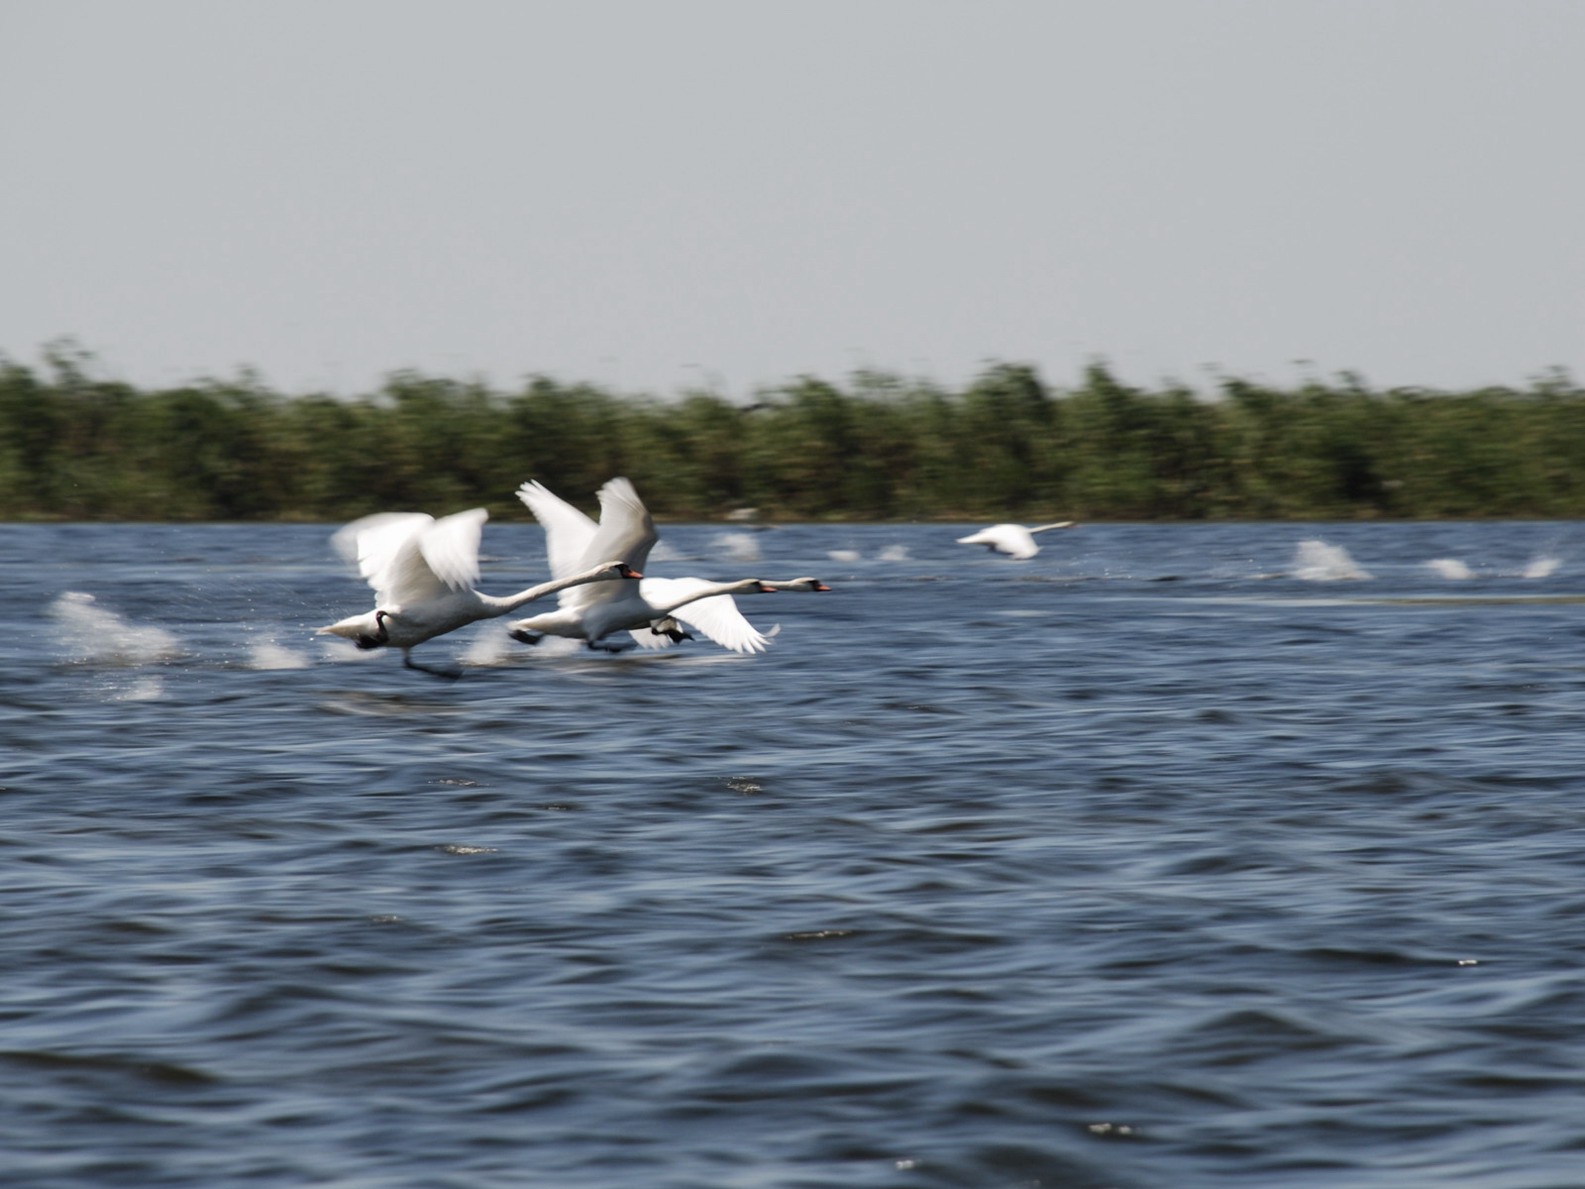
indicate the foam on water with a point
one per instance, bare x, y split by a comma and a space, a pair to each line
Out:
1541, 567
490, 646
268, 654
1450, 568
738, 547
91, 634
1316, 561
890, 553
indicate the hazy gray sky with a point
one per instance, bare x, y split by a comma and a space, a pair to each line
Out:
654, 195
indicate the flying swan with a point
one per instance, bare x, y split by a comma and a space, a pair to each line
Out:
650, 610
423, 570
1012, 539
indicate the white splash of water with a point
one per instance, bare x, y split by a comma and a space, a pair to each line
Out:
1316, 561
1450, 568
489, 647
1542, 567
267, 654
149, 687
738, 546
92, 635
894, 553
550, 646
844, 555
336, 648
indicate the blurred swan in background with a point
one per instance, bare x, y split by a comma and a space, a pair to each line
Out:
423, 570
1015, 540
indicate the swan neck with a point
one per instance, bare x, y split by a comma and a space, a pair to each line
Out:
502, 604
717, 588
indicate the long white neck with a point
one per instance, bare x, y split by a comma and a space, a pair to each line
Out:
709, 590
501, 604
1040, 528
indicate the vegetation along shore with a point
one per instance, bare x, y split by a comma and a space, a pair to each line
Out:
876, 446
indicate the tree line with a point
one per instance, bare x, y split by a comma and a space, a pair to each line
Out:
877, 446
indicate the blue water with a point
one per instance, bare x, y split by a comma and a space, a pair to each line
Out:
1142, 863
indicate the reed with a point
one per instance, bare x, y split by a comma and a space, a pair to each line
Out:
876, 446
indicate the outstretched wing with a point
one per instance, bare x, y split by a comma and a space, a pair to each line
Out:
408, 557
716, 616
626, 532
450, 548
381, 546
1011, 539
567, 530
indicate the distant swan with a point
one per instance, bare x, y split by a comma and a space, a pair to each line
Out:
422, 571
648, 610
1012, 539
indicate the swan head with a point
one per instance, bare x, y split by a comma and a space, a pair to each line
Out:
805, 584
611, 569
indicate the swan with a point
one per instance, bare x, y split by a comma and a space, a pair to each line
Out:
1012, 539
423, 570
650, 609
717, 616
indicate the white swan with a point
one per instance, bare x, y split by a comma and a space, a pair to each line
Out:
423, 570
1012, 539
648, 609
717, 616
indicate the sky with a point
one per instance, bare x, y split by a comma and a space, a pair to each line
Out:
728, 194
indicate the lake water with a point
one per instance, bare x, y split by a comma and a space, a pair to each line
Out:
1163, 859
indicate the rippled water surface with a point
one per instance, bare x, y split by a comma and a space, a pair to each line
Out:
1168, 858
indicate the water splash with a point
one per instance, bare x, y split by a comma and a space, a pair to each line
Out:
844, 555
738, 546
1316, 561
1541, 567
267, 654
1450, 568
149, 687
894, 553
491, 646
92, 635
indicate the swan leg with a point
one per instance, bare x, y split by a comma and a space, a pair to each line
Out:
381, 635
448, 674
669, 628
526, 637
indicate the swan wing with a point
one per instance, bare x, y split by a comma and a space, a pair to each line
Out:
567, 530
449, 550
381, 547
1011, 539
717, 616
626, 532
